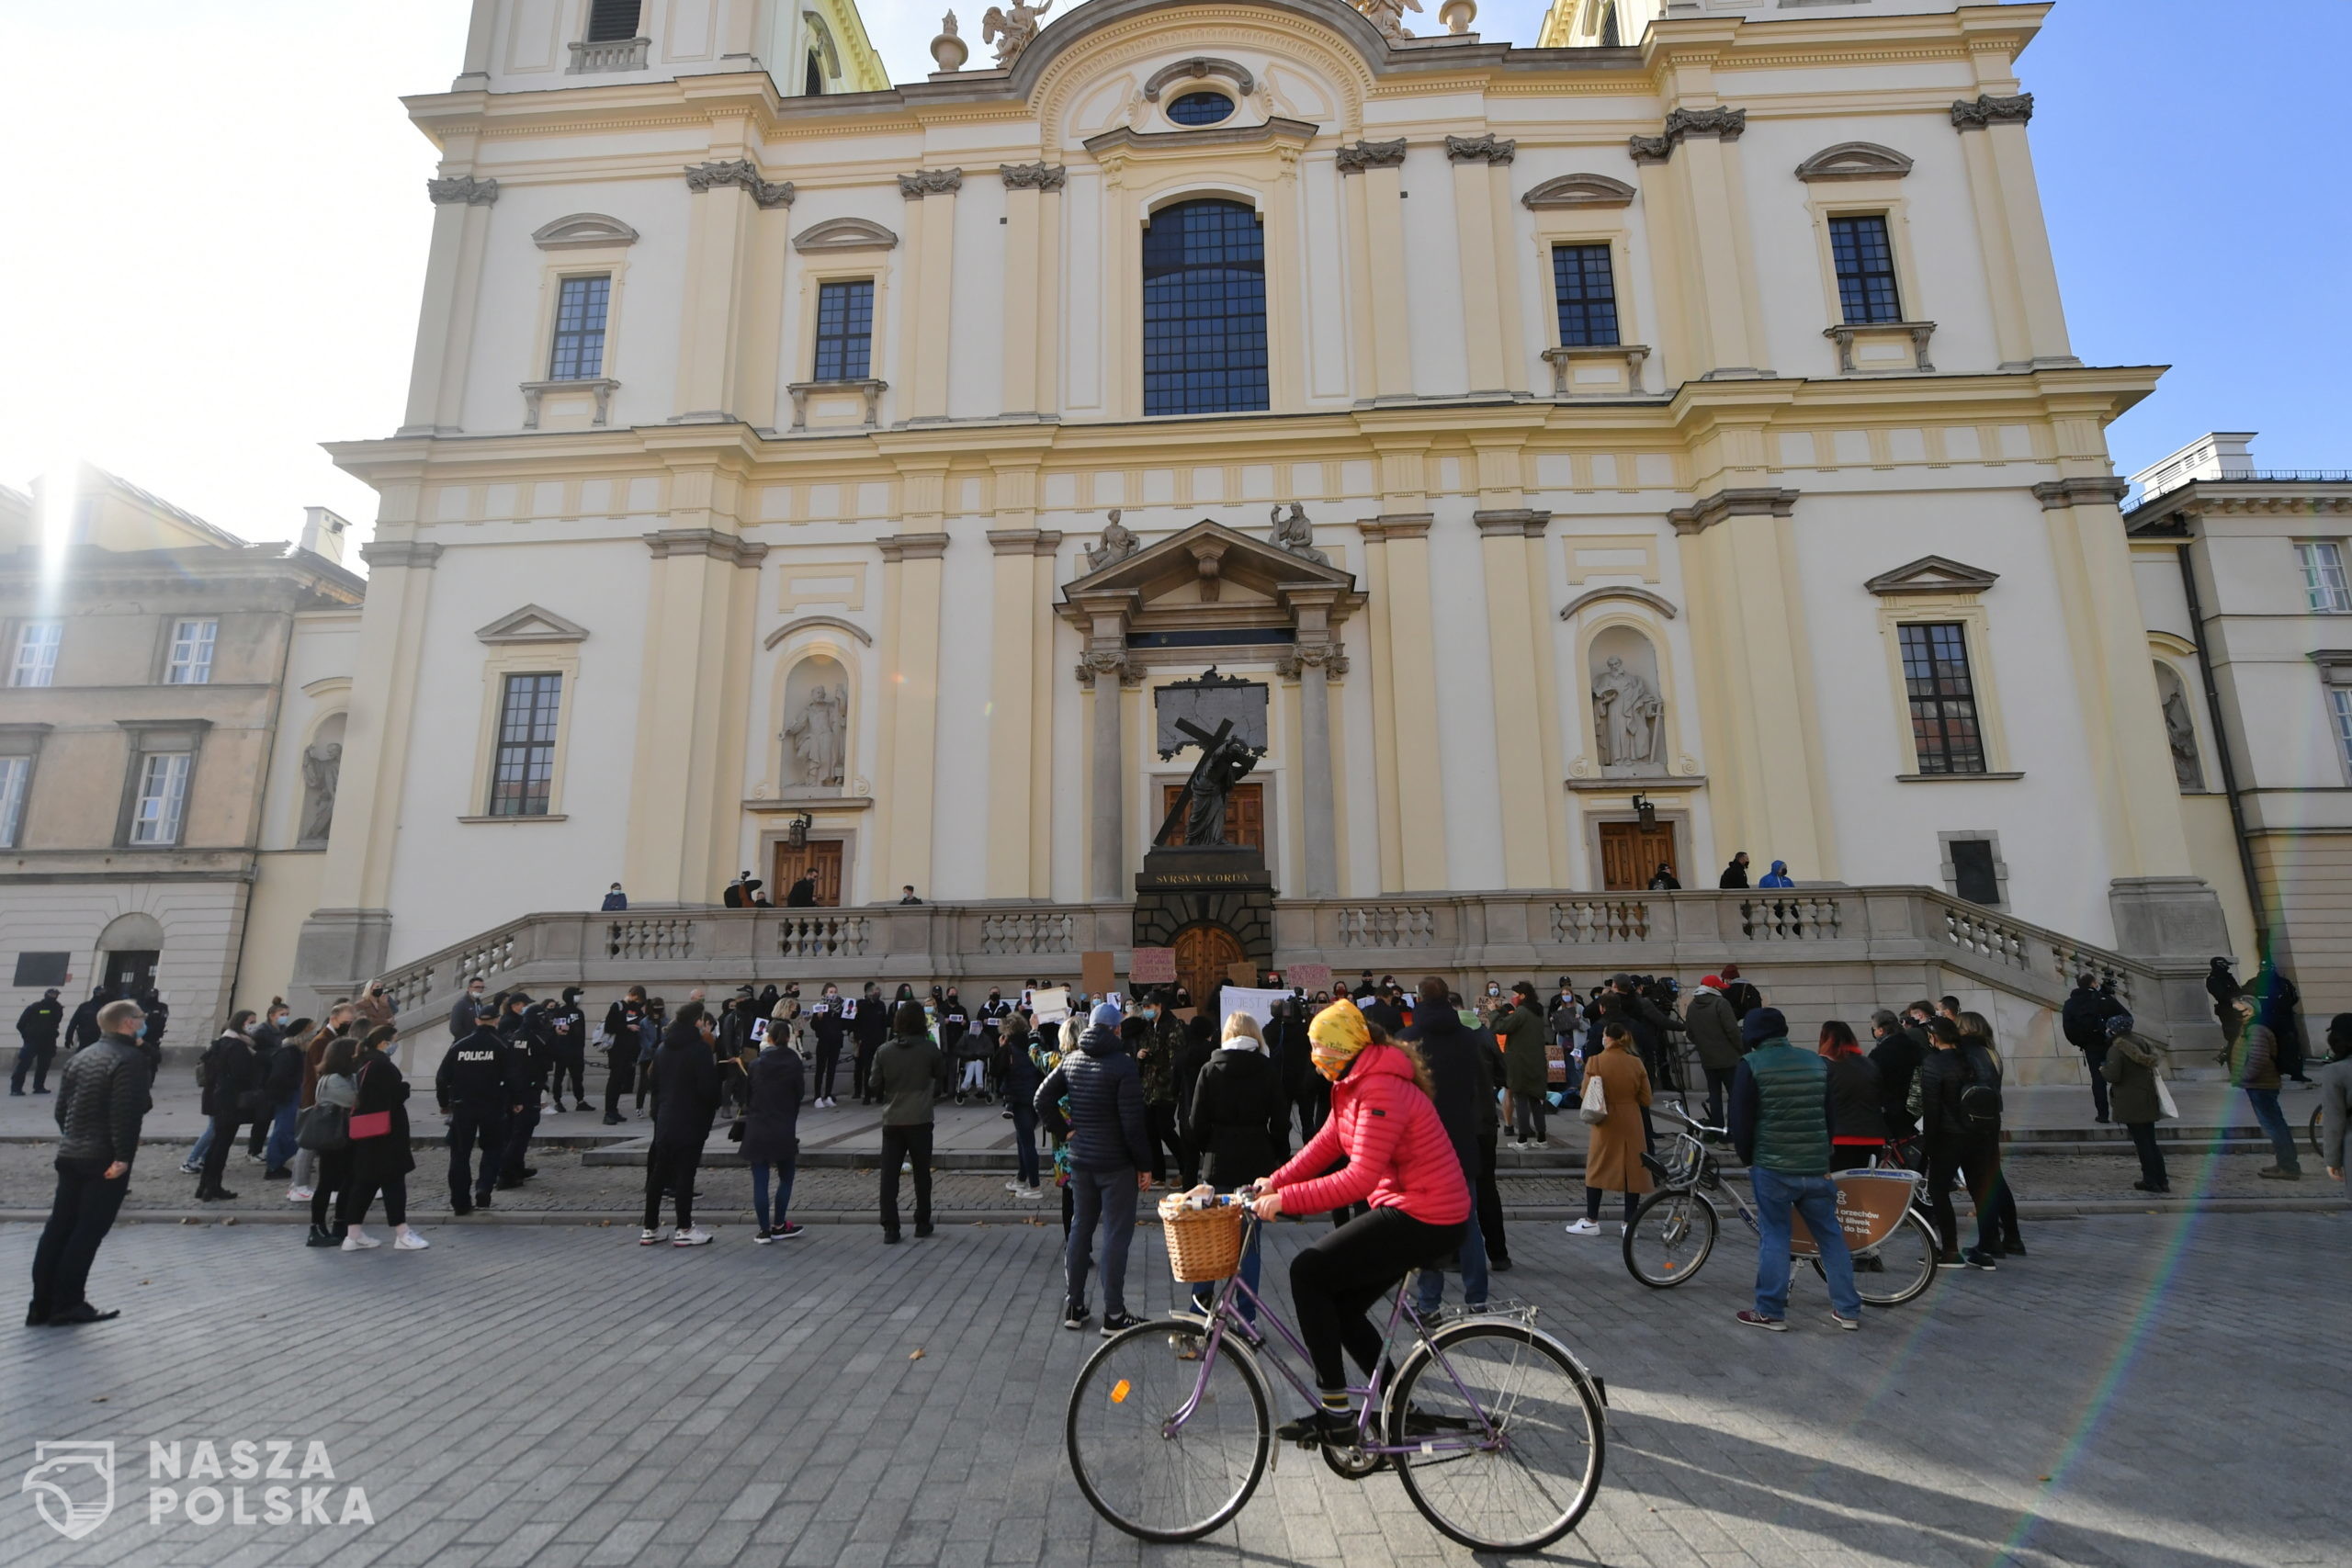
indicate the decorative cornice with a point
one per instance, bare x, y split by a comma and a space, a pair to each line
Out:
1196, 68
1397, 526
2081, 491
817, 623
1275, 131
532, 624
709, 542
1704, 514
1990, 111
1483, 149
913, 546
1658, 602
844, 234
1527, 521
1033, 177
1854, 160
583, 230
393, 554
931, 181
1931, 574
1358, 157
1024, 541
1578, 190
1680, 124
462, 188
739, 172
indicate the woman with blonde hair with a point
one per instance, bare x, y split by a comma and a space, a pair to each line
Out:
1238, 1120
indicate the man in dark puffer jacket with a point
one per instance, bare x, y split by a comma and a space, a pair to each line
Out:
1109, 1159
102, 1097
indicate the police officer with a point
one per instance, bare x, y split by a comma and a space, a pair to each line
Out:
528, 1062
477, 1090
36, 1026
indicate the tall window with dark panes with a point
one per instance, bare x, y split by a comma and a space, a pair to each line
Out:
1943, 698
844, 331
611, 21
523, 770
580, 307
1864, 258
1204, 310
1586, 291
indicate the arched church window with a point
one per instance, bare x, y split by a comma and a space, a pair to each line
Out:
813, 84
612, 21
1204, 310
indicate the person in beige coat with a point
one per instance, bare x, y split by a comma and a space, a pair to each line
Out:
1612, 1160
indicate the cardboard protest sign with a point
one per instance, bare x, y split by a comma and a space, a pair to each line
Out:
1097, 974
1152, 966
1309, 977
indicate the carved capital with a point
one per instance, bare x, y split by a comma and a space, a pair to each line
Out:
931, 181
1990, 111
1485, 149
1033, 177
2081, 491
913, 546
462, 188
1706, 514
1102, 662
729, 548
1682, 124
739, 172
411, 554
1358, 157
1328, 657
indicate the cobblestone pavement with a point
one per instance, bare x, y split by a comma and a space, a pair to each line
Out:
527, 1397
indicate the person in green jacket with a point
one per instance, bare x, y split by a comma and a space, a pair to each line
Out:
904, 1070
2131, 1066
1779, 1123
1520, 1028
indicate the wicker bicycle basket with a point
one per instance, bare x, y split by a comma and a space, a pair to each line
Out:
1204, 1245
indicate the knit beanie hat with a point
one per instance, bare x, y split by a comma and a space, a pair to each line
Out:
1336, 1036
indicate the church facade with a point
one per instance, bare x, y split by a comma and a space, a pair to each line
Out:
1609, 456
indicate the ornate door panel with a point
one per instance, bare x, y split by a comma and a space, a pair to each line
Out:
1202, 954
1630, 854
822, 856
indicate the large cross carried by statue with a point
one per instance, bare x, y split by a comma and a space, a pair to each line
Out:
1225, 760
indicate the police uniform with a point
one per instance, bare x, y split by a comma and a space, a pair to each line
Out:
476, 1087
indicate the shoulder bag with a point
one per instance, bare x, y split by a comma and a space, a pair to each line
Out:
323, 1128
1594, 1107
371, 1125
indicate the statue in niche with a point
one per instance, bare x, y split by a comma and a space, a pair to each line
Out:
1118, 543
2181, 730
1296, 535
321, 770
1627, 719
816, 739
1011, 30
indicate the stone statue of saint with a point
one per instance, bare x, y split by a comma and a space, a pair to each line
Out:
2181, 730
321, 769
816, 737
1294, 534
1118, 543
1219, 769
1627, 718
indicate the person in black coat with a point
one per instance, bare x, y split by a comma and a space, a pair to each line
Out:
1736, 873
562, 1031
282, 1090
1239, 1121
827, 1024
772, 1134
380, 1164
81, 1029
1466, 1069
685, 1088
621, 1041
1897, 1055
480, 1090
527, 1066
1857, 1116
1021, 1078
233, 1079
37, 1028
2082, 1019
869, 1029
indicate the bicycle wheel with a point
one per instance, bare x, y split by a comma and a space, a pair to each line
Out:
1527, 1484
1670, 1236
1154, 1459
1906, 1263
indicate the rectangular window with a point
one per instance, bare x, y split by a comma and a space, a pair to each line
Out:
162, 797
1586, 290
580, 329
16, 772
524, 763
191, 661
1974, 876
2323, 583
1204, 310
2339, 705
844, 331
1943, 698
37, 643
1865, 263
612, 21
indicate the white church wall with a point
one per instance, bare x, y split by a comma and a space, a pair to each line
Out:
1462, 729
1433, 275
969, 735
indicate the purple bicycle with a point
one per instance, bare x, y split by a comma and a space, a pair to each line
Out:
1493, 1428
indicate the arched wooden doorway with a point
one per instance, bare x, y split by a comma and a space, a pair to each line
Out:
1202, 953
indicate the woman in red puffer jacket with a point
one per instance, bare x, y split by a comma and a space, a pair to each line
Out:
1398, 1159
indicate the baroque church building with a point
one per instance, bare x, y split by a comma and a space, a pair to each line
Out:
1607, 455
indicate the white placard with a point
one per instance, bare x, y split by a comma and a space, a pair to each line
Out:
1050, 1006
1259, 1005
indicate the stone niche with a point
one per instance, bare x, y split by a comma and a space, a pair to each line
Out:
816, 737
1627, 705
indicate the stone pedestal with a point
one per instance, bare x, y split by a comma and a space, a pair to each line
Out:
2175, 925
1214, 884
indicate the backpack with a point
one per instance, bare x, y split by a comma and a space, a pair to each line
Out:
1980, 1102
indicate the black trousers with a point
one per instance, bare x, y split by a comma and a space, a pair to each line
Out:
520, 1125
861, 1081
35, 1055
619, 1073
1161, 1132
1491, 1203
2152, 1159
328, 1185
216, 1158
912, 1145
79, 1217
1978, 1161
1335, 1281
1314, 1103
828, 1062
572, 1064
468, 1126
351, 1208
1718, 1093
670, 1167
2095, 1058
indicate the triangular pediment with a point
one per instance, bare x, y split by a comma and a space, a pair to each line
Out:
1241, 559
1932, 574
532, 624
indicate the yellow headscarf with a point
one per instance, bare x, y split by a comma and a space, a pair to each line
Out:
1338, 1033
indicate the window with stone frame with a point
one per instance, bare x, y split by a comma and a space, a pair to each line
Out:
523, 760
613, 21
36, 660
844, 331
578, 351
1944, 728
2325, 589
1863, 254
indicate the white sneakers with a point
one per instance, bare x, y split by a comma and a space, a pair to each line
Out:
357, 1240
299, 1194
649, 1238
824, 1103
1016, 1185
407, 1240
695, 1238
1027, 1191
1583, 1228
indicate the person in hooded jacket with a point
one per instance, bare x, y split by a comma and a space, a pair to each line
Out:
2083, 1020
685, 1103
2132, 1063
772, 1135
563, 1034
1519, 1027
1238, 1121
906, 1075
1736, 873
1109, 1159
233, 1080
1713, 1029
1465, 1074
1778, 876
1401, 1162
81, 1029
